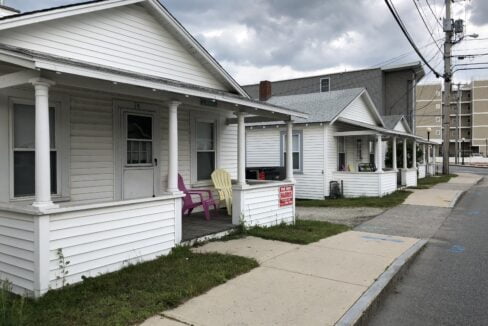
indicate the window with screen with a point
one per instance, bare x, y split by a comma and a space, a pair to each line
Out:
324, 84
205, 148
359, 149
296, 146
24, 116
139, 140
341, 154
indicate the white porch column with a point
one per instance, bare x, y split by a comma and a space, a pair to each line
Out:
379, 154
42, 143
289, 151
423, 154
428, 153
405, 166
394, 153
241, 149
173, 147
414, 154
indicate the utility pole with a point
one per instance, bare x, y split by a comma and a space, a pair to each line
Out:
448, 29
458, 124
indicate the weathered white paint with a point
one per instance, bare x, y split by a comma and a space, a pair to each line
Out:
366, 184
394, 153
18, 78
259, 205
409, 177
17, 247
359, 111
289, 152
379, 153
241, 149
42, 144
431, 169
173, 147
128, 38
422, 168
414, 154
102, 238
400, 126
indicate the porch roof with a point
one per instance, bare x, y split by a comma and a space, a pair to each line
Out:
60, 65
373, 130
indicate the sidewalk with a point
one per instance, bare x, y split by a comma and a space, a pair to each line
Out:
314, 284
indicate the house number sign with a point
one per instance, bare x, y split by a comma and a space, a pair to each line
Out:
286, 196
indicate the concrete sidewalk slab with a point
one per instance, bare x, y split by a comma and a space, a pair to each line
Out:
338, 265
251, 247
368, 243
296, 285
162, 321
465, 178
267, 296
433, 197
350, 216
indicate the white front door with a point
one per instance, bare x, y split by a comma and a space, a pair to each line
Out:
139, 154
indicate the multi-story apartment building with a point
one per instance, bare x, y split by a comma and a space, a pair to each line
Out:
468, 116
392, 88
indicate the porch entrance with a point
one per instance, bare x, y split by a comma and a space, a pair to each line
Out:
139, 150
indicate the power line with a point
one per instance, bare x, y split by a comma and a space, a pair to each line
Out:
409, 38
434, 14
426, 26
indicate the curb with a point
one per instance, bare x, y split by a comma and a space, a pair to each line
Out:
456, 199
366, 305
469, 166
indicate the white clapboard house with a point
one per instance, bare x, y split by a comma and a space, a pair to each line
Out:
102, 105
337, 142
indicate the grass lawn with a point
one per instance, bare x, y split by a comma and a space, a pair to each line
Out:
387, 201
428, 182
135, 293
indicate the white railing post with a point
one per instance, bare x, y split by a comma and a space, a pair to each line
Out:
379, 154
394, 153
173, 147
414, 154
405, 166
241, 149
42, 144
289, 152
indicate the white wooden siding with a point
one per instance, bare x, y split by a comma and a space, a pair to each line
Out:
409, 177
422, 170
359, 111
388, 183
366, 184
17, 250
92, 161
126, 38
260, 206
263, 149
228, 146
400, 127
102, 240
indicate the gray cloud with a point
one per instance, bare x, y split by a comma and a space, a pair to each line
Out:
479, 10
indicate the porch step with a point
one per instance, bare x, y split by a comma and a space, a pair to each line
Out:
208, 237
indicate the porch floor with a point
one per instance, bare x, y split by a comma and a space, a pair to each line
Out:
196, 226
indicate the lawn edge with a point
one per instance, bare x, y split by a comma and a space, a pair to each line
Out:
362, 310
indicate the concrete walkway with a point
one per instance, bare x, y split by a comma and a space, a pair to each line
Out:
294, 285
350, 216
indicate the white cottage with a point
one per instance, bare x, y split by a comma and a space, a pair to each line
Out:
102, 105
337, 142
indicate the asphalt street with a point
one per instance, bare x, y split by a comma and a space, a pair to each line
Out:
447, 283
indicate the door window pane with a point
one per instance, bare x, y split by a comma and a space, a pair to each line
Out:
206, 165
139, 139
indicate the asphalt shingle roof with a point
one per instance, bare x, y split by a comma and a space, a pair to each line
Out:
391, 120
321, 107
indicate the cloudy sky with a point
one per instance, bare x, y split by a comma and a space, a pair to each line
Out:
277, 39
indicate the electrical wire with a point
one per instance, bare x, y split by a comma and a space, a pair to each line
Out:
426, 26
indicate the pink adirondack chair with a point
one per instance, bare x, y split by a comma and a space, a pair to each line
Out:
189, 204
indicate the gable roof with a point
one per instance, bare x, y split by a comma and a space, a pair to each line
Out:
326, 106
393, 121
154, 7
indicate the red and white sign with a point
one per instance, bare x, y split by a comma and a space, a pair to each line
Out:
286, 196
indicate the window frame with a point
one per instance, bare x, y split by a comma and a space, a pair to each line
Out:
320, 85
298, 133
344, 144
61, 141
126, 139
194, 120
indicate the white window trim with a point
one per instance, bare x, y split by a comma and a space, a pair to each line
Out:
344, 152
194, 119
320, 85
152, 140
62, 141
298, 133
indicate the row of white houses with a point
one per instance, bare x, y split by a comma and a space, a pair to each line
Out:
343, 140
104, 103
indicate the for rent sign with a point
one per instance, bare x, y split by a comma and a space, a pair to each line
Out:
286, 196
